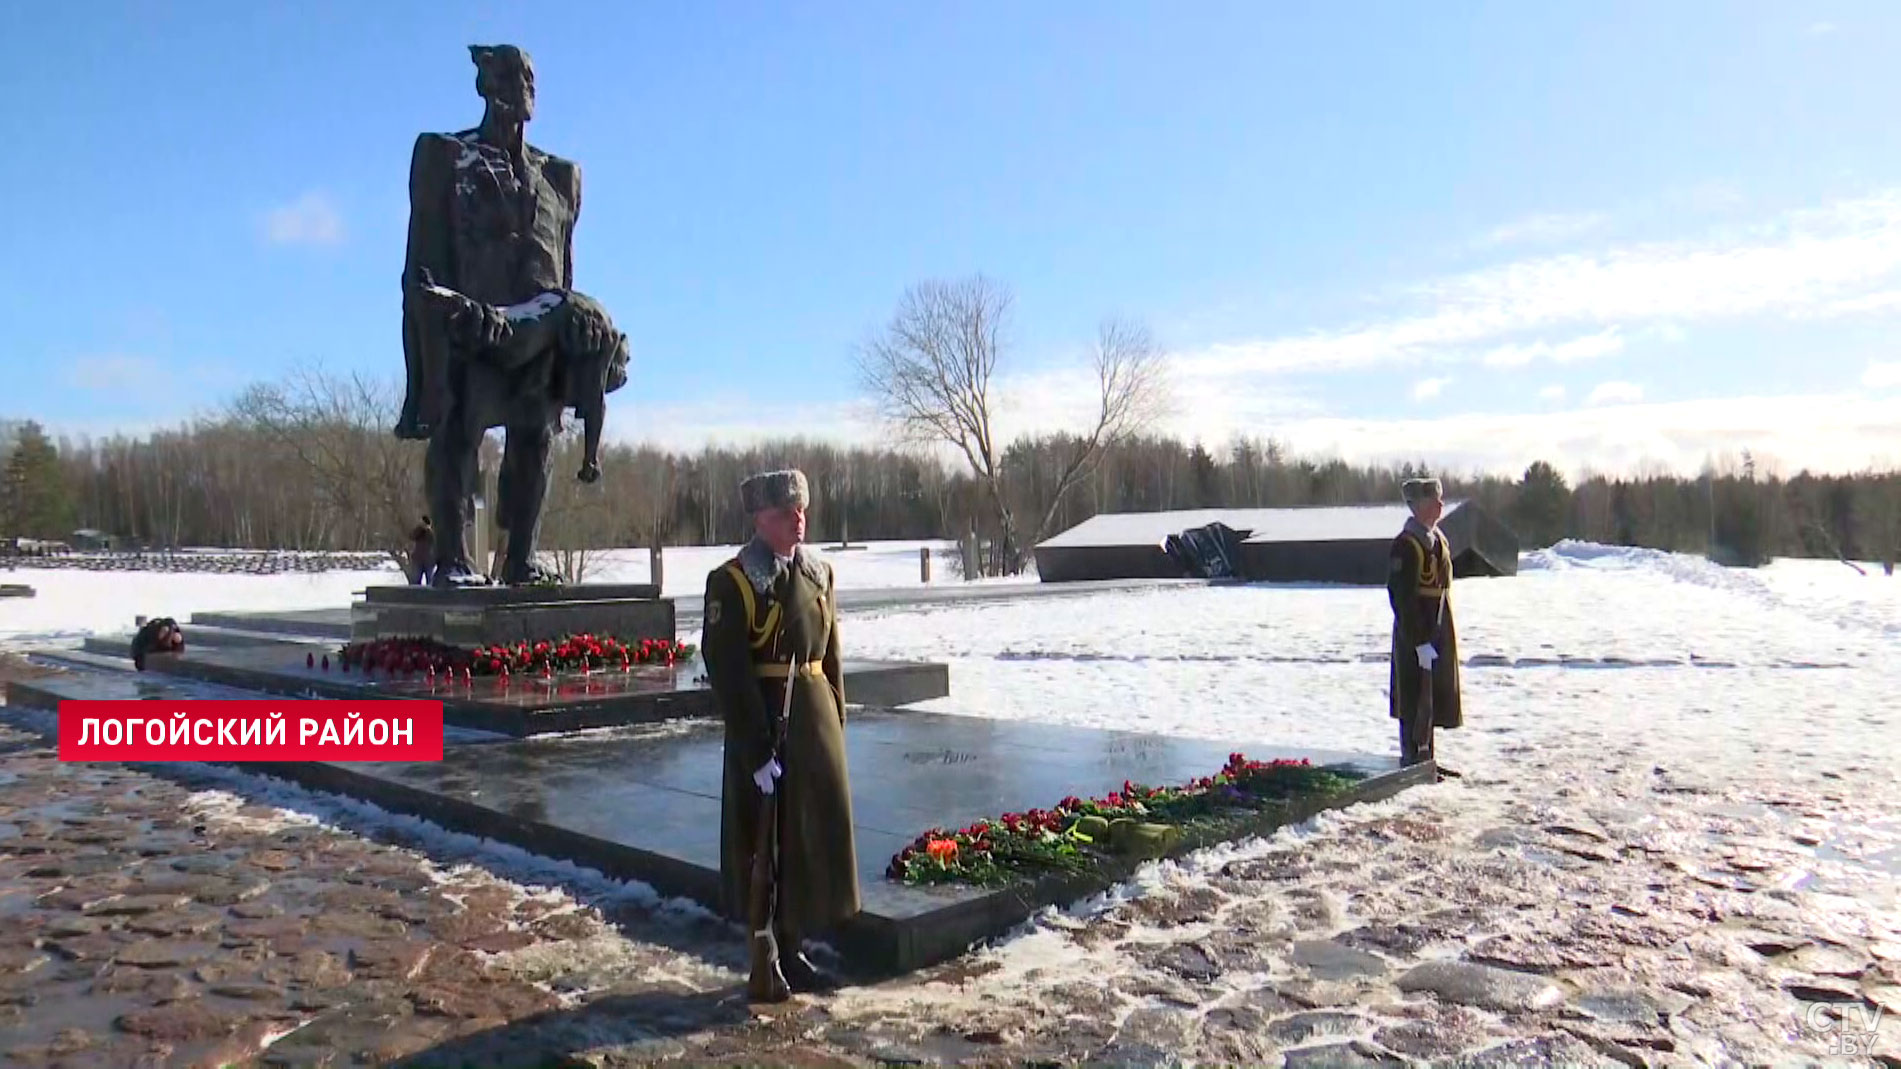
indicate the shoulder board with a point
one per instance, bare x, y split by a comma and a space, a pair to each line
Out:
1408, 539
814, 564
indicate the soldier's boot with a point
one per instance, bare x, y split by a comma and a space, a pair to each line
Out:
767, 983
803, 976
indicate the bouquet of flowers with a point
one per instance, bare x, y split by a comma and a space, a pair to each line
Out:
1073, 835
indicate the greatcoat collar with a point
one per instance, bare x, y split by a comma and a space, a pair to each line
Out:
764, 569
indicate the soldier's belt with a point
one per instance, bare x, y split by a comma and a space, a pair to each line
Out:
783, 669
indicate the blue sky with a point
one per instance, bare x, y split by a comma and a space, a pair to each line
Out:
1609, 234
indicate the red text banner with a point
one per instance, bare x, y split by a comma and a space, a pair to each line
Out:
164, 730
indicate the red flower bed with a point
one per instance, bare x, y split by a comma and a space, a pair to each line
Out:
1068, 838
572, 653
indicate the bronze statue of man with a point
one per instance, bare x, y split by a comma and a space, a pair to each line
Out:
493, 332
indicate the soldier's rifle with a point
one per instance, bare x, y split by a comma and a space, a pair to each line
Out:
768, 980
1423, 729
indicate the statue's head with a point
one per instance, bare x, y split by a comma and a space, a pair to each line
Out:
505, 78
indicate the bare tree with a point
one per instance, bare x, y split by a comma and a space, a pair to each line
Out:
337, 430
1132, 394
930, 375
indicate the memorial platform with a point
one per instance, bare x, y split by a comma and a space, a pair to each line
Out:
643, 803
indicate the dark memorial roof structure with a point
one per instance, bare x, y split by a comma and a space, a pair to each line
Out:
1320, 544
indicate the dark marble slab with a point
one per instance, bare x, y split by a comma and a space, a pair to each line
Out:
485, 596
629, 619
643, 802
530, 706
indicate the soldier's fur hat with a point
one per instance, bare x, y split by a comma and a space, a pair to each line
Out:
774, 489
1417, 490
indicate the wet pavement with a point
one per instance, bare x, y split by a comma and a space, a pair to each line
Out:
149, 921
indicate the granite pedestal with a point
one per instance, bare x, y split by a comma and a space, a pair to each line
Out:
644, 803
476, 616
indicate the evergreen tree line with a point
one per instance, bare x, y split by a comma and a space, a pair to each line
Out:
312, 465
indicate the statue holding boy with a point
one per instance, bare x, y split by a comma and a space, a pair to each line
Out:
494, 334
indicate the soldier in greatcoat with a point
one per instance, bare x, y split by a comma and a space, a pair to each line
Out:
1425, 642
770, 623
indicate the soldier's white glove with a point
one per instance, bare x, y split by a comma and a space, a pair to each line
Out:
1427, 655
766, 774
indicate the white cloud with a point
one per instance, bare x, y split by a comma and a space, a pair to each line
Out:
1065, 398
1427, 389
1883, 301
1882, 375
1616, 393
1820, 432
1588, 347
1842, 259
1840, 432
1801, 265
1028, 403
1542, 229
311, 219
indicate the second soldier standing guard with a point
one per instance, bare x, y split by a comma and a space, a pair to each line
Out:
770, 640
1424, 684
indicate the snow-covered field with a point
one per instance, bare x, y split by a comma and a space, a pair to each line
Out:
1712, 752
1660, 701
71, 604
1667, 653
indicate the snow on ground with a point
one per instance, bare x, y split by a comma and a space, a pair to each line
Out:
874, 565
1655, 647
70, 604
1677, 705
1713, 752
